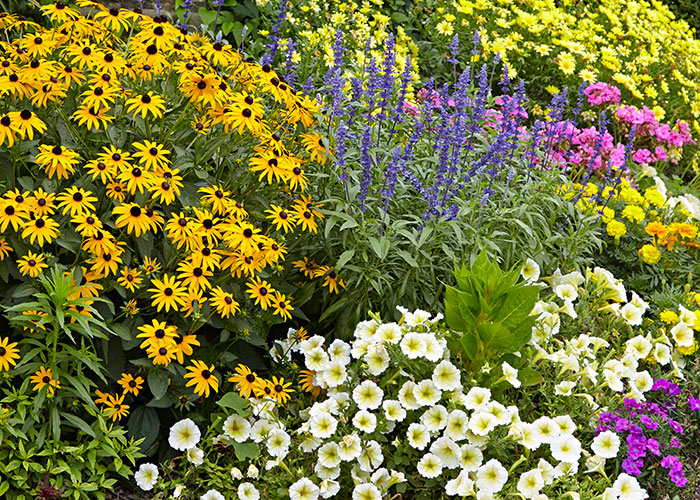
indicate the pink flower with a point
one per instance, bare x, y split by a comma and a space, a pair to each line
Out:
602, 93
642, 156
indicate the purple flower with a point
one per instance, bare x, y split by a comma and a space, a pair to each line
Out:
631, 466
694, 403
653, 447
675, 426
674, 443
648, 422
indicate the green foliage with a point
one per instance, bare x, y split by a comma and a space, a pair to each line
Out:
490, 310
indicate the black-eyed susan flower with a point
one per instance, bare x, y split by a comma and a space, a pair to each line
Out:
317, 147
115, 158
194, 277
26, 123
193, 302
201, 125
93, 118
163, 355
8, 130
183, 346
281, 218
42, 203
306, 381
116, 191
133, 217
261, 291
269, 165
200, 87
116, 409
216, 197
136, 179
245, 380
157, 334
43, 377
297, 179
155, 220
101, 170
333, 282
262, 388
152, 154
206, 257
305, 219
223, 302
243, 236
202, 378
274, 251
8, 353
150, 265
89, 285
166, 186
99, 97
42, 230
180, 229
130, 279
10, 215
281, 390
115, 18
167, 294
76, 201
309, 268
145, 104
281, 305
5, 248
102, 397
87, 224
106, 263
130, 384
17, 86
131, 308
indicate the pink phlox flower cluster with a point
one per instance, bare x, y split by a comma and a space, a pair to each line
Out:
602, 93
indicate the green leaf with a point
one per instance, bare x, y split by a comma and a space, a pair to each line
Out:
158, 382
344, 259
469, 345
79, 423
245, 451
144, 423
234, 402
528, 376
55, 424
453, 316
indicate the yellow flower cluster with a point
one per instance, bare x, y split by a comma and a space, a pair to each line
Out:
670, 222
359, 21
637, 44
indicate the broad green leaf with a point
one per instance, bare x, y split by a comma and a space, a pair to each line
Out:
144, 423
158, 382
453, 316
528, 376
234, 402
246, 451
344, 259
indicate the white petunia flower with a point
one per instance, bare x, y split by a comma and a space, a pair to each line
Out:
195, 456
236, 474
146, 477
627, 487
406, 397
366, 491
261, 429
388, 332
339, 351
471, 458
309, 444
326, 473
449, 453
212, 495
184, 435
237, 428
566, 424
527, 435
418, 436
359, 347
530, 483
377, 359
317, 359
417, 317
366, 329
306, 346
323, 425
426, 393
642, 381
303, 489
546, 430
482, 423
435, 418
491, 476
252, 472
413, 345
606, 444
247, 491
530, 271
632, 314
278, 443
329, 488
476, 398
686, 316
511, 374
393, 411
446, 376
380, 478
457, 425
461, 486
566, 292
564, 388
566, 448
434, 350
371, 457
368, 395
662, 353
682, 334
638, 346
335, 373
349, 448
365, 421
329, 455
429, 466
